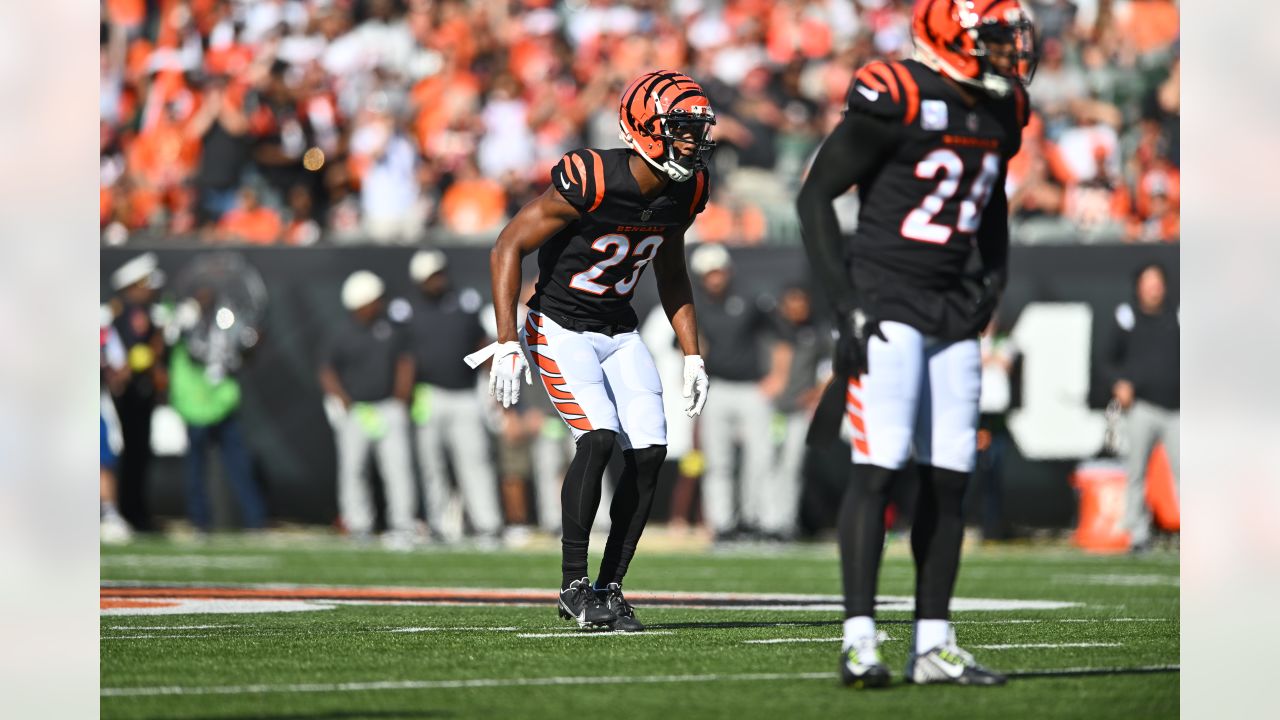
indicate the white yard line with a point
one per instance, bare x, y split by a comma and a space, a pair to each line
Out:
449, 629
131, 628
1120, 580
1023, 621
596, 633
1021, 646
453, 684
775, 641
152, 636
534, 682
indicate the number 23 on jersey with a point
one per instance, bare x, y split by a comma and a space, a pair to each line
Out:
618, 248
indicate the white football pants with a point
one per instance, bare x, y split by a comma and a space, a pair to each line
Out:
920, 394
598, 382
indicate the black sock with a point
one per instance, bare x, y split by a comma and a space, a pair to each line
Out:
579, 500
936, 536
861, 532
629, 512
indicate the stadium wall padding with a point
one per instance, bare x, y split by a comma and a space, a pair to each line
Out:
293, 444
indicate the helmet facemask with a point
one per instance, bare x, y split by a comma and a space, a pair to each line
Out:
680, 126
675, 127
1016, 41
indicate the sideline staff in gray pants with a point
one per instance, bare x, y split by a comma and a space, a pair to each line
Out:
1144, 368
806, 346
367, 367
446, 409
733, 328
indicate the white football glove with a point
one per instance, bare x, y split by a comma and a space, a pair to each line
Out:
695, 384
504, 374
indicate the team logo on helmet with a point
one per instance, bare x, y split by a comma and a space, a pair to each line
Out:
660, 109
988, 44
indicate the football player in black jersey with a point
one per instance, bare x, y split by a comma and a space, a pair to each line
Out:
607, 215
927, 142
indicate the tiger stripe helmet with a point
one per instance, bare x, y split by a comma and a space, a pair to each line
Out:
662, 108
955, 37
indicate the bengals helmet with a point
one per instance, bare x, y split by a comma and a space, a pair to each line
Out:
660, 109
961, 38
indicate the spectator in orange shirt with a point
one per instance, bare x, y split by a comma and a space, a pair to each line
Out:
250, 222
473, 205
730, 221
1149, 25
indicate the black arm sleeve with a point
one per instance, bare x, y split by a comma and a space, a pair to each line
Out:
993, 234
852, 154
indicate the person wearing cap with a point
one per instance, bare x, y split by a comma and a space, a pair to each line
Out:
133, 310
734, 328
803, 356
445, 325
367, 367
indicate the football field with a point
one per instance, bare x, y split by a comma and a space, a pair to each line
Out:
313, 627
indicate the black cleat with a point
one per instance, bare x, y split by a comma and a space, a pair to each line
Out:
948, 663
626, 615
579, 603
860, 666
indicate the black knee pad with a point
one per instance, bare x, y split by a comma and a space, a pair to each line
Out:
873, 479
948, 486
599, 442
650, 458
645, 463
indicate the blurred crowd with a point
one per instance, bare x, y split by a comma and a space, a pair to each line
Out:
303, 121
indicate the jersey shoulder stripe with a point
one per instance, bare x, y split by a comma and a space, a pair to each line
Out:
886, 90
598, 168
579, 177
911, 92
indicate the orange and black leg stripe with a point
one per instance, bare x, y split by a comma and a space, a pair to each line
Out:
552, 378
853, 406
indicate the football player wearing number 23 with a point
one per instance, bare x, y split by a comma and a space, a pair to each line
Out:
607, 216
927, 143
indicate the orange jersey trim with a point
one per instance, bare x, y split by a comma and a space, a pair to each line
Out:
581, 178
913, 92
697, 193
866, 77
886, 76
599, 172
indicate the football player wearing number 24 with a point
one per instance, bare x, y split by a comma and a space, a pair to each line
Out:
927, 142
607, 216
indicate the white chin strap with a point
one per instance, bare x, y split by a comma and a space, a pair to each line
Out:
672, 169
997, 85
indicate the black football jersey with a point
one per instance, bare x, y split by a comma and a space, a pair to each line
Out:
588, 271
920, 213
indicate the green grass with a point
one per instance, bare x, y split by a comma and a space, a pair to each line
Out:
351, 643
